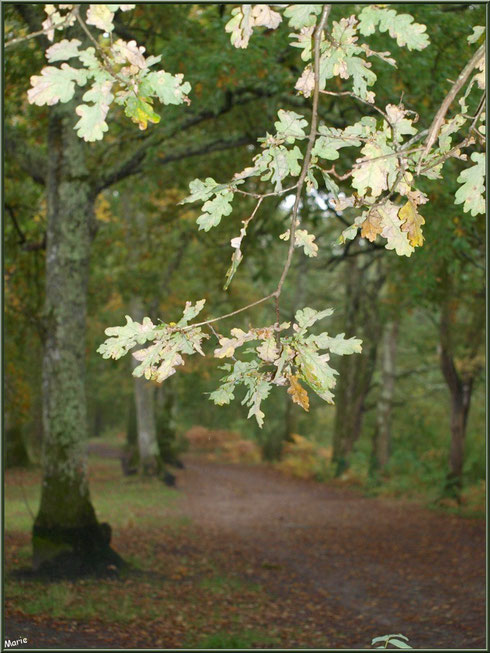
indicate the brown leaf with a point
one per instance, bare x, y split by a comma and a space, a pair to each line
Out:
371, 226
298, 393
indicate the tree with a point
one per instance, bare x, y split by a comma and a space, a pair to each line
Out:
383, 176
66, 533
363, 285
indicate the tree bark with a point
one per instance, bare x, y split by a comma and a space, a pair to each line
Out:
460, 389
385, 402
144, 396
356, 371
67, 539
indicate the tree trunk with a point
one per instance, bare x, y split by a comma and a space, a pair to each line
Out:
67, 539
356, 371
460, 390
384, 408
16, 454
144, 396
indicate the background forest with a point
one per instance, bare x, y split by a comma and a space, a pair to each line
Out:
392, 429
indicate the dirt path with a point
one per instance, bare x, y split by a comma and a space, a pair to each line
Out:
387, 566
341, 566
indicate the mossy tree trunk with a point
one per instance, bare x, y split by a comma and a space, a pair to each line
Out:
382, 440
67, 538
144, 397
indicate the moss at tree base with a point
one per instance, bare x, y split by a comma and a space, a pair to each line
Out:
75, 552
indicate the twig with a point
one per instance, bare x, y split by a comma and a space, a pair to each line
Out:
356, 97
106, 59
261, 196
19, 231
222, 317
469, 140
448, 100
40, 32
306, 162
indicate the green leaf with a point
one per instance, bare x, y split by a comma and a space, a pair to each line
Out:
477, 32
402, 126
302, 15
125, 337
304, 41
290, 126
245, 18
315, 371
306, 317
330, 184
400, 26
305, 240
92, 124
55, 85
236, 257
292, 158
215, 209
374, 170
63, 50
200, 190
328, 144
473, 186
140, 111
338, 345
399, 644
223, 395
362, 77
383, 638
278, 162
170, 89
258, 390
190, 312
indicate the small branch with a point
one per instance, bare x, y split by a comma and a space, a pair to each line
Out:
448, 100
306, 162
333, 172
41, 32
469, 140
356, 97
262, 196
387, 156
222, 317
107, 61
20, 233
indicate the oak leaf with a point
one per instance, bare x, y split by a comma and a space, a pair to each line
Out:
298, 393
411, 223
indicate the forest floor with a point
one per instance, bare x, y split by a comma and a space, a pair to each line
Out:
243, 556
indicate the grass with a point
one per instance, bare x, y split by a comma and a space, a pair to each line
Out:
241, 639
182, 595
223, 584
122, 501
86, 599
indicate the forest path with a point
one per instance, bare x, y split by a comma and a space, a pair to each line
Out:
383, 565
319, 564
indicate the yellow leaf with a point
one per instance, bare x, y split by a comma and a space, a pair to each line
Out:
411, 223
298, 393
